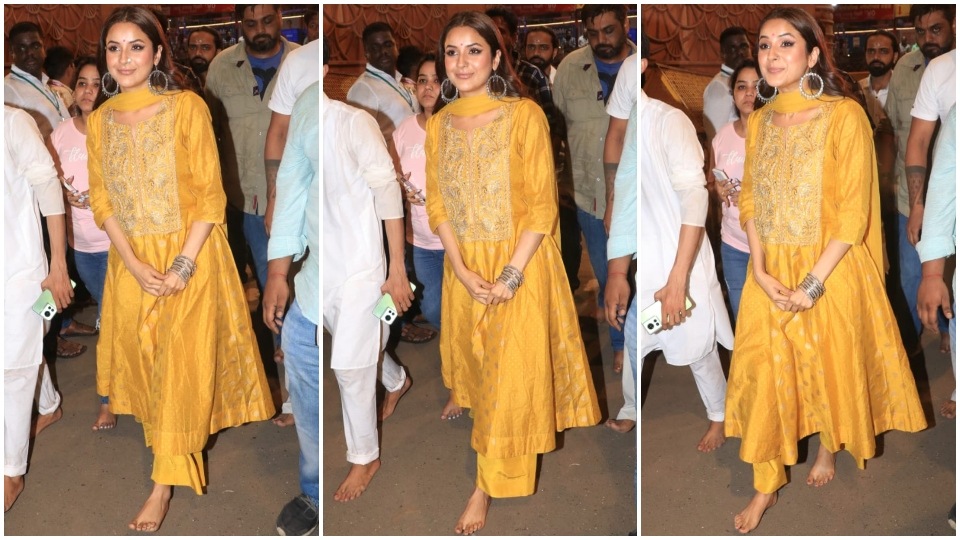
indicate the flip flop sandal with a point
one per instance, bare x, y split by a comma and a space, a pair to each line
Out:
63, 347
81, 330
412, 333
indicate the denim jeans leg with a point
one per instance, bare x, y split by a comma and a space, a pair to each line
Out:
909, 272
429, 267
255, 231
734, 274
302, 362
596, 238
92, 268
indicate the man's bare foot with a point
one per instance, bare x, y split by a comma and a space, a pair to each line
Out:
44, 421
451, 410
617, 361
12, 488
748, 518
278, 355
823, 468
474, 516
391, 398
620, 426
153, 510
356, 481
284, 420
106, 419
949, 409
945, 342
713, 438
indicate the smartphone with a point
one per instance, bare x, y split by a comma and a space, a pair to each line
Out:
45, 306
385, 310
650, 316
73, 190
720, 175
412, 188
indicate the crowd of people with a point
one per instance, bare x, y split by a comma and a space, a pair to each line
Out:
484, 159
801, 157
151, 159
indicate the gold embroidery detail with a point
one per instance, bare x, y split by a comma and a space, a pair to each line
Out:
475, 180
140, 173
788, 179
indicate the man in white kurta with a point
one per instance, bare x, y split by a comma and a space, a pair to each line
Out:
675, 256
360, 197
30, 187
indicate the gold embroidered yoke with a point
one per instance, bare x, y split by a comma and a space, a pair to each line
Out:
520, 366
839, 368
185, 365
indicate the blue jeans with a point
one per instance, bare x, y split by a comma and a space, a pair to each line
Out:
429, 267
302, 362
910, 276
596, 238
92, 268
255, 231
734, 274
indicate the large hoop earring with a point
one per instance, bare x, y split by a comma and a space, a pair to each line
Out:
499, 80
804, 92
762, 97
105, 81
153, 87
443, 91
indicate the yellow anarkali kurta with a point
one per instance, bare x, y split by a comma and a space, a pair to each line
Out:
840, 368
520, 366
185, 365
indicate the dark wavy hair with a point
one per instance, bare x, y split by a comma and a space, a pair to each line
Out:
484, 26
148, 23
833, 83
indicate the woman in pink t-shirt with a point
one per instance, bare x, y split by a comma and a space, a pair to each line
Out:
89, 242
729, 151
409, 138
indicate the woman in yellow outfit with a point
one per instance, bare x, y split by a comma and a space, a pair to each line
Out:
817, 348
511, 349
176, 348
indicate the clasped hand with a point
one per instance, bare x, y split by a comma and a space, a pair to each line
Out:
483, 291
155, 283
783, 297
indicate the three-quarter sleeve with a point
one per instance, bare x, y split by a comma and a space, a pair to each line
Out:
856, 172
745, 202
685, 163
535, 168
436, 212
99, 199
204, 184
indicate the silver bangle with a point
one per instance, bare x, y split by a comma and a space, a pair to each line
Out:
512, 277
812, 287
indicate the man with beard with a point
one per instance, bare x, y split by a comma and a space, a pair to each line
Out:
203, 44
881, 55
540, 46
583, 84
935, 35
240, 82
718, 108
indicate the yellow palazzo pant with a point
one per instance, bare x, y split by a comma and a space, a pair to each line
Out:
173, 470
507, 477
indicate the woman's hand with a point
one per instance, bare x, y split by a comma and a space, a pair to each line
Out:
798, 301
147, 277
478, 287
499, 294
414, 197
727, 191
779, 294
77, 199
171, 284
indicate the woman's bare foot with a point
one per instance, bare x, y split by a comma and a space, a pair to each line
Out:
823, 468
713, 438
356, 481
106, 419
748, 519
945, 342
451, 410
12, 488
617, 361
284, 420
620, 426
474, 516
391, 398
949, 409
153, 510
44, 421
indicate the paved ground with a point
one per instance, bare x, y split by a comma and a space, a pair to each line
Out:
586, 487
907, 490
86, 483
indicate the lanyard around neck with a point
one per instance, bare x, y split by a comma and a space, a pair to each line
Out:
395, 89
54, 102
